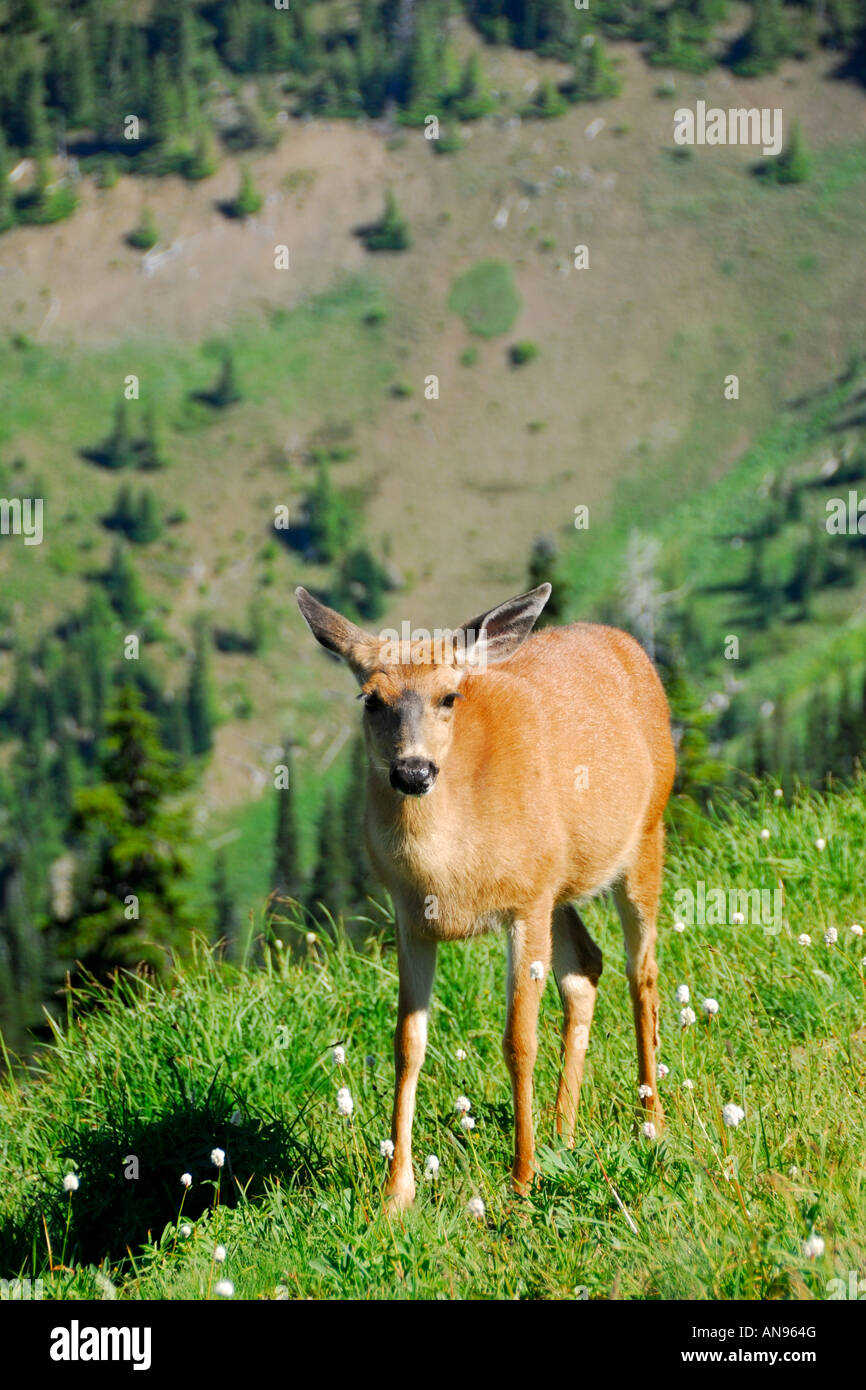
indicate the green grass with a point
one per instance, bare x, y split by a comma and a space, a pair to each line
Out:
486, 298
241, 1060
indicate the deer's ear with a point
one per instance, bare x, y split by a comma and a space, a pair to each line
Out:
494, 635
359, 649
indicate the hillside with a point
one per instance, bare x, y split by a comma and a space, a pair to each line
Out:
242, 1060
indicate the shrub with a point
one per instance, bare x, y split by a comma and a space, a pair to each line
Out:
248, 201
522, 352
391, 232
144, 236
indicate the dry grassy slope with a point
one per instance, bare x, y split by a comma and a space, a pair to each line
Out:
633, 350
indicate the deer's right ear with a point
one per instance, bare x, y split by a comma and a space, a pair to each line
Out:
359, 649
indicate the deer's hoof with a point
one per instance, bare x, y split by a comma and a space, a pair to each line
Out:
400, 1198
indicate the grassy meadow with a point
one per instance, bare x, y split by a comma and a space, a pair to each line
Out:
242, 1060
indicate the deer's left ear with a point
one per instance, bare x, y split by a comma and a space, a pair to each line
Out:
494, 635
359, 649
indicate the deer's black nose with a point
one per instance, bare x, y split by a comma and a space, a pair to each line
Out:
413, 776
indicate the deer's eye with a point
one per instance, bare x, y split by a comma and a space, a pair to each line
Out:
447, 701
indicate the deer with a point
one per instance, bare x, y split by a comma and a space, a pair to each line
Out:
510, 775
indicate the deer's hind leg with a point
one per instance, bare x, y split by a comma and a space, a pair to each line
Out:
577, 965
637, 899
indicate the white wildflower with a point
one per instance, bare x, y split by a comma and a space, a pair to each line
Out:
218, 1157
831, 936
338, 1056
460, 1054
688, 1085
536, 970
765, 834
475, 1207
710, 1007
311, 938
186, 1179
467, 1122
463, 1105
662, 1071
386, 1148
431, 1167
737, 919
804, 939
648, 1130
679, 926
856, 929
186, 1232
71, 1183
820, 843
778, 793
219, 1254
813, 1247
644, 1091
687, 1017
684, 994
224, 1289
345, 1104
733, 1114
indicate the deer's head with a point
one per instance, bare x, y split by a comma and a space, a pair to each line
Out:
411, 688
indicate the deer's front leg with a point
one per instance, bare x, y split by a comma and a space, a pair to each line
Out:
417, 962
529, 953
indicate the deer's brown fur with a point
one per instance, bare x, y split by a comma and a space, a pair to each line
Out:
552, 767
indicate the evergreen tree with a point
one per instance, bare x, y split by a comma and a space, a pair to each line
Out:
7, 202
226, 391
118, 450
361, 882
794, 164
331, 876
326, 516
147, 524
148, 449
132, 907
123, 587
199, 697
34, 134
248, 201
163, 102
286, 876
225, 912
391, 232
765, 41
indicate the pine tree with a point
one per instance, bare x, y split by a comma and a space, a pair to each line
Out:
32, 116
146, 522
326, 516
391, 232
124, 589
132, 906
148, 449
225, 912
163, 104
118, 450
765, 41
248, 201
330, 884
226, 391
361, 882
199, 697
7, 202
286, 876
794, 164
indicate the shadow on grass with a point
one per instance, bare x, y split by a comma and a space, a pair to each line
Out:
130, 1168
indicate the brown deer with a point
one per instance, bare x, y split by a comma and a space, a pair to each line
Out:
507, 775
